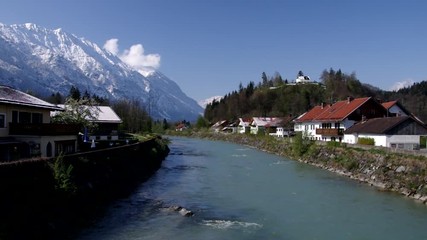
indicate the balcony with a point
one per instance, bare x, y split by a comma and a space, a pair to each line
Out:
330, 131
43, 129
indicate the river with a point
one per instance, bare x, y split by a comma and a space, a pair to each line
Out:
237, 192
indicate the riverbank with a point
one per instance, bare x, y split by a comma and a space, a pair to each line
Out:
52, 198
402, 173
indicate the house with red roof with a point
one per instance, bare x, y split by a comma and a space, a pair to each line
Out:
328, 122
25, 128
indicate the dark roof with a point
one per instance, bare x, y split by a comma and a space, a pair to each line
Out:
9, 95
378, 125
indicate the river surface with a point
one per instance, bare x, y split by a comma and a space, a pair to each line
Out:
237, 192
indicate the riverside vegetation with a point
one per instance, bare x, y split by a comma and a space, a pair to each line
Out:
390, 171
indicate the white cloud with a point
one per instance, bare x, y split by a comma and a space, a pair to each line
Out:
112, 46
398, 85
135, 57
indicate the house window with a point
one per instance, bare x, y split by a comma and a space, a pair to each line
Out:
337, 125
14, 116
37, 118
26, 117
2, 120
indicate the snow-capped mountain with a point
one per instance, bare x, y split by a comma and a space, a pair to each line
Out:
205, 102
47, 61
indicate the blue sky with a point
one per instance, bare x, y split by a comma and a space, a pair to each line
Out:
208, 47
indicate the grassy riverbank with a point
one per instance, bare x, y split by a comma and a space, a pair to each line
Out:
397, 172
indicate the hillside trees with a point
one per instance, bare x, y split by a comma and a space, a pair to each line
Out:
273, 96
135, 118
340, 85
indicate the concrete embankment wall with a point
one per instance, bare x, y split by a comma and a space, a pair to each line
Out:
50, 198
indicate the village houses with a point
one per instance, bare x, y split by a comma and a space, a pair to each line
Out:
328, 122
389, 124
25, 128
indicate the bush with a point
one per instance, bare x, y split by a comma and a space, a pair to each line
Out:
366, 141
300, 144
423, 141
62, 172
333, 144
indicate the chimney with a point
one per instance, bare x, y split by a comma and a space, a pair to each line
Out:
322, 105
349, 99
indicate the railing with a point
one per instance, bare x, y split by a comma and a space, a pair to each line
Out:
43, 129
330, 131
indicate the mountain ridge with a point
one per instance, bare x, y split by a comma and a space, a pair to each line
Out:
49, 61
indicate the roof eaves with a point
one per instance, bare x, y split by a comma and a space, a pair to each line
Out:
11, 102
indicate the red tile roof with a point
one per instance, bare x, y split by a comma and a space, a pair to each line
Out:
335, 112
390, 104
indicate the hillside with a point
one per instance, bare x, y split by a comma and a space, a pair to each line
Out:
277, 97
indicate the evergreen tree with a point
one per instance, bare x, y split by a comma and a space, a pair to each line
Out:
264, 79
74, 93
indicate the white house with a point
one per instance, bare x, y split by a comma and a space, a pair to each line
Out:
394, 132
265, 124
25, 128
303, 79
328, 122
104, 117
244, 125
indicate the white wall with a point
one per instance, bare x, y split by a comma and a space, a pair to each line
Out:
350, 138
383, 140
395, 109
414, 139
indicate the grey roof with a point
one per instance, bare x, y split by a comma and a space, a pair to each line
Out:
9, 95
104, 114
378, 125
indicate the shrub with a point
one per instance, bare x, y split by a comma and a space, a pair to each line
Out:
300, 144
62, 172
333, 144
366, 141
423, 141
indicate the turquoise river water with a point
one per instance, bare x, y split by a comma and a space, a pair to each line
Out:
237, 192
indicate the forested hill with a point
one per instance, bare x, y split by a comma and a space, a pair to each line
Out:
273, 96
